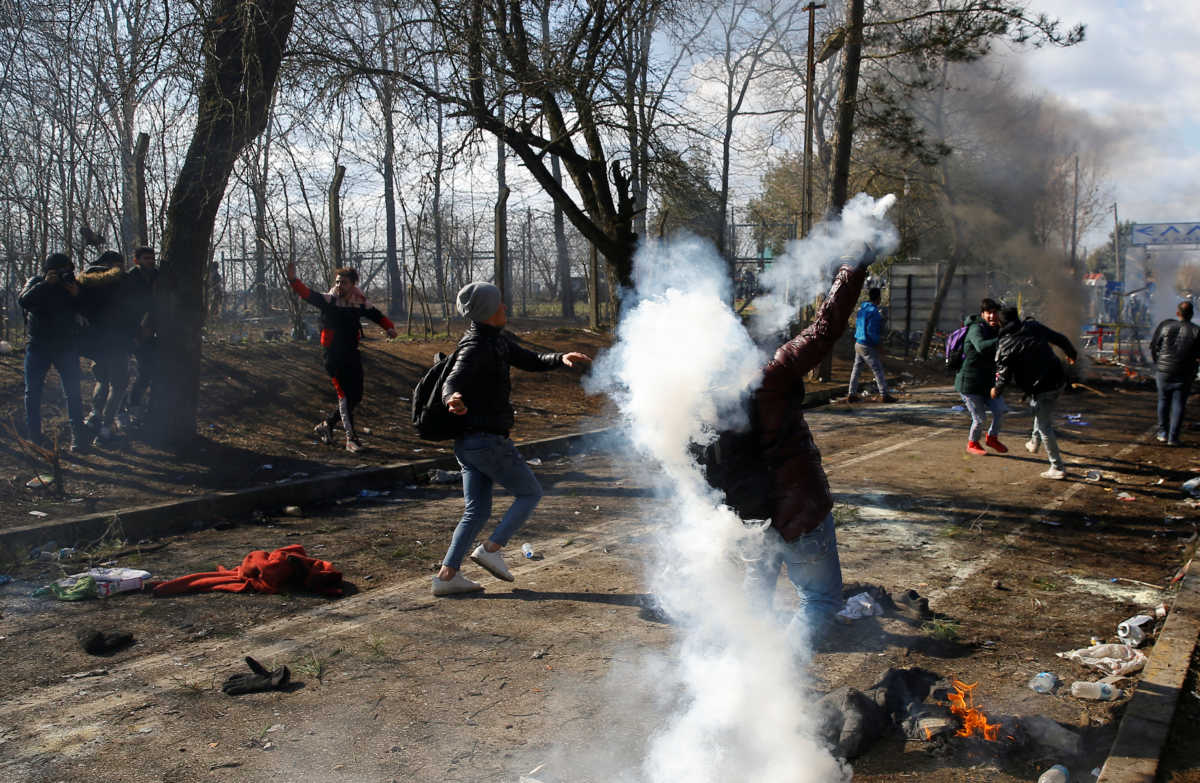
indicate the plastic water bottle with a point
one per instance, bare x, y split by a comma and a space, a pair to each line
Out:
1056, 774
1043, 682
1096, 691
527, 550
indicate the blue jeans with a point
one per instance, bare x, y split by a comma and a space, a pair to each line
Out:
1043, 425
486, 460
38, 360
814, 569
1172, 399
976, 405
868, 355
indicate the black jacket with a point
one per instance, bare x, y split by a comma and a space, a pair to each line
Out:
53, 314
481, 374
1176, 349
104, 300
1024, 357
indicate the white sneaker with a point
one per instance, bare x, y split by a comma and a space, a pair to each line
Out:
1032, 446
455, 585
492, 562
1055, 474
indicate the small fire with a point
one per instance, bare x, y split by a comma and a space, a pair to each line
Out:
962, 704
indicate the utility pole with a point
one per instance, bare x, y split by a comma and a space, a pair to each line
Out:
1120, 267
1075, 221
809, 110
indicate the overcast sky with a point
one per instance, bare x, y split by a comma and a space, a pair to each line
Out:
1138, 69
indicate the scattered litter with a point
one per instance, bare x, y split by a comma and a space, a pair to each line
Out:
1043, 682
534, 461
38, 514
1076, 419
94, 583
527, 550
1108, 658
293, 511
261, 679
1056, 774
1160, 611
957, 408
89, 673
539, 654
40, 481
1192, 486
1093, 475
439, 476
344, 501
5, 347
1095, 691
374, 493
1126, 497
859, 606
1051, 522
1135, 630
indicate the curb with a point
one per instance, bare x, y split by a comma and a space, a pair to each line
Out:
138, 522
1142, 736
178, 516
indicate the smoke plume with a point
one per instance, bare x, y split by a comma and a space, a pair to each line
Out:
681, 368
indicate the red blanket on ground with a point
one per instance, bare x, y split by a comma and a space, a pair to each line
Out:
285, 569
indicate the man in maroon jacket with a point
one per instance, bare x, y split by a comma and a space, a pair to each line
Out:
801, 531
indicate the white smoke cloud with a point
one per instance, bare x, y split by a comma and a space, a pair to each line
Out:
682, 367
804, 269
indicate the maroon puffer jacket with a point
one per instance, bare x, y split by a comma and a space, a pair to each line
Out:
802, 498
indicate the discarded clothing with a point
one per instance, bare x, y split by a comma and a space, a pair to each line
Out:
96, 642
285, 569
260, 680
1108, 658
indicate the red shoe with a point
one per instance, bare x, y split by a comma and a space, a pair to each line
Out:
995, 443
973, 447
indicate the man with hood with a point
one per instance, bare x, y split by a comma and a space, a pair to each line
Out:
477, 388
976, 376
1024, 358
52, 301
140, 281
107, 339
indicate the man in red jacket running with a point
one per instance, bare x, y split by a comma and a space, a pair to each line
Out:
342, 311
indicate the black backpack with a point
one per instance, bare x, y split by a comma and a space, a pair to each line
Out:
738, 465
430, 416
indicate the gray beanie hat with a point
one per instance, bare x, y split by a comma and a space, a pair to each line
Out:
479, 301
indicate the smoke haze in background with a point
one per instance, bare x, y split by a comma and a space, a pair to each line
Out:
733, 704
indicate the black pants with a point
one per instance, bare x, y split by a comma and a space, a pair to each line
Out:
146, 353
346, 373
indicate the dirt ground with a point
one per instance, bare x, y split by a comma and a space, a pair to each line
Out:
396, 685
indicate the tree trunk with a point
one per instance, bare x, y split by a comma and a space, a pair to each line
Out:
243, 46
139, 173
395, 275
843, 138
335, 218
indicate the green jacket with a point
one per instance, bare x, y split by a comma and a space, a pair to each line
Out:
978, 372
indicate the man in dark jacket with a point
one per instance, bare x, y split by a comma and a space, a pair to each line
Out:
52, 300
140, 282
477, 388
975, 377
801, 534
1024, 358
1176, 349
107, 340
868, 333
342, 311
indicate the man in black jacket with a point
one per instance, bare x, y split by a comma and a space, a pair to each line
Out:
1176, 349
1024, 358
477, 388
107, 340
52, 300
140, 281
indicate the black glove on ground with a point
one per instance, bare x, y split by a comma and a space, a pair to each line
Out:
96, 642
260, 680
